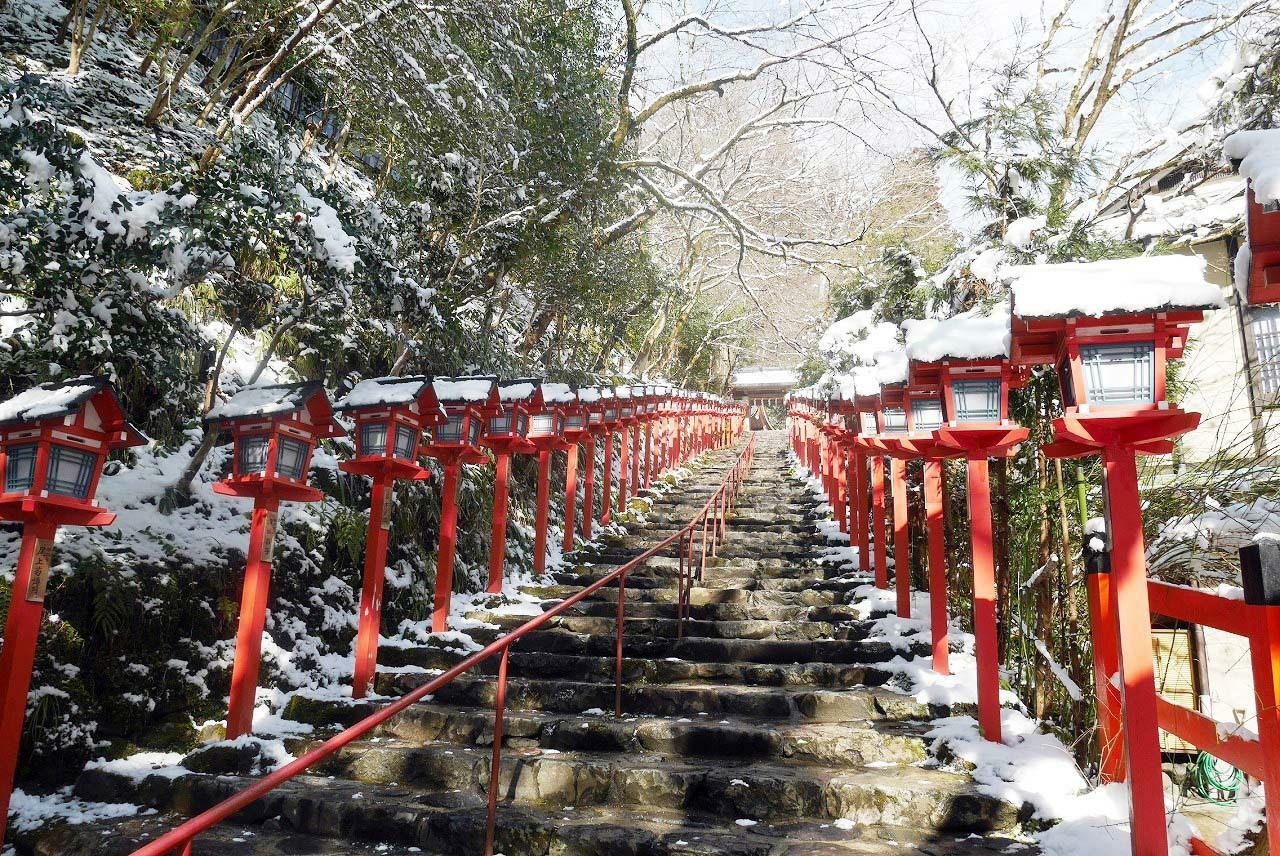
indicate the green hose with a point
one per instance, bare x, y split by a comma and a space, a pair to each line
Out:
1209, 782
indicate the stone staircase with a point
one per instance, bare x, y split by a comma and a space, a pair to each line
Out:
766, 729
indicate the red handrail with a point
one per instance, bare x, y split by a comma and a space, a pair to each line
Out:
185, 834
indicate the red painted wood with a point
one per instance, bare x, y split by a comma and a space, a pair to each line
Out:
933, 477
624, 454
1264, 648
542, 512
375, 566
253, 616
1198, 607
606, 500
1202, 732
589, 489
21, 630
498, 530
447, 552
570, 496
984, 599
879, 537
1106, 663
901, 542
1133, 630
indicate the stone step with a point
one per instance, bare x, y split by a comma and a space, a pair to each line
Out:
732, 788
666, 627
832, 744
687, 700
453, 824
745, 611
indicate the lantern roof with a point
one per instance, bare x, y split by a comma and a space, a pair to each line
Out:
622, 392
979, 334
525, 390
59, 399
471, 389
278, 400
559, 393
390, 392
590, 394
1111, 287
891, 367
1256, 155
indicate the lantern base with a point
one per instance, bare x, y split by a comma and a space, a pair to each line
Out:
920, 446
62, 511
376, 465
261, 487
1144, 430
449, 454
994, 441
510, 446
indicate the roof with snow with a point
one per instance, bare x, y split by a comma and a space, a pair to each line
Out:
891, 367
275, 400
589, 394
1258, 156
524, 389
559, 393
858, 336
52, 400
384, 392
477, 389
974, 335
1111, 287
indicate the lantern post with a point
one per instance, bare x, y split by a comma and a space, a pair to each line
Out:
391, 415
274, 430
626, 418
891, 429
967, 356
468, 402
1109, 328
505, 435
609, 421
54, 441
547, 436
867, 409
639, 405
577, 432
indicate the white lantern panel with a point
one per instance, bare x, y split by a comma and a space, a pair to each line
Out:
895, 420
1123, 373
70, 471
373, 438
251, 454
291, 458
977, 400
406, 442
926, 413
20, 468
451, 430
542, 425
868, 421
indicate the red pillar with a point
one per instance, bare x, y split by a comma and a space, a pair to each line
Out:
570, 495
606, 501
21, 630
840, 468
984, 599
901, 540
589, 488
636, 454
937, 566
1133, 628
624, 452
253, 616
1105, 664
448, 551
375, 564
542, 513
648, 453
498, 532
877, 518
1264, 649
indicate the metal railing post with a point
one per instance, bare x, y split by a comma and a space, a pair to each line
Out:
495, 764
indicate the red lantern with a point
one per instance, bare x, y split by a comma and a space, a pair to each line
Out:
54, 441
1262, 278
1109, 329
391, 415
547, 435
467, 403
577, 432
274, 429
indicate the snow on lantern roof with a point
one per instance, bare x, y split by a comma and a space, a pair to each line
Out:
558, 393
384, 391
468, 390
1111, 287
622, 392
52, 400
974, 335
862, 380
589, 394
520, 389
1258, 153
273, 399
892, 367
858, 336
